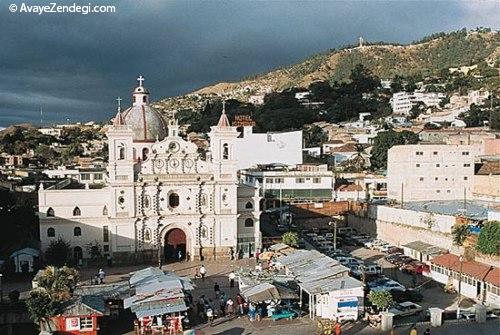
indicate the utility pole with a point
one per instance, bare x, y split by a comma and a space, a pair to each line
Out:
402, 198
335, 235
159, 245
460, 286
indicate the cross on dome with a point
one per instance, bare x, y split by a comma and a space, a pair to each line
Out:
119, 100
140, 79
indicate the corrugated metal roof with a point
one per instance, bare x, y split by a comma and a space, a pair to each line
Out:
477, 210
331, 284
424, 248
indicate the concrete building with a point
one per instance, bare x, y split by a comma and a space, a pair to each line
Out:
84, 176
350, 192
56, 132
162, 199
301, 183
402, 102
486, 184
430, 172
252, 149
25, 260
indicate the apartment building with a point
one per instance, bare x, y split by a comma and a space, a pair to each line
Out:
430, 172
402, 102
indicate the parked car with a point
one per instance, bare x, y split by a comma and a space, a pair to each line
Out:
392, 258
388, 286
402, 260
405, 309
349, 261
395, 250
383, 247
415, 268
371, 269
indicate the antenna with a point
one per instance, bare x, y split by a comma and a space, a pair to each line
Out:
41, 116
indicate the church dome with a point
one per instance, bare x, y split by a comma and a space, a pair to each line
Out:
145, 121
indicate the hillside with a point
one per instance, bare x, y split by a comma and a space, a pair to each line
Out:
426, 58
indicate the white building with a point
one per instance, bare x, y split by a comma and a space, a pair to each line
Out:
252, 149
25, 259
477, 97
84, 176
161, 198
430, 172
402, 102
56, 132
301, 183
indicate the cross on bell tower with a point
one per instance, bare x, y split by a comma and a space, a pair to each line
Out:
140, 79
119, 101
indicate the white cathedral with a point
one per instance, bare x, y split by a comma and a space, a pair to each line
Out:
161, 197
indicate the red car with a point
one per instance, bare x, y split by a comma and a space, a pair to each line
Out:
415, 268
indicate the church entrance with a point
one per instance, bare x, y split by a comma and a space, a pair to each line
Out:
175, 245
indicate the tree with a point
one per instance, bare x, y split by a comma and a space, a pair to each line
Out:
314, 136
460, 234
58, 282
489, 239
380, 299
40, 305
291, 239
94, 250
386, 140
58, 252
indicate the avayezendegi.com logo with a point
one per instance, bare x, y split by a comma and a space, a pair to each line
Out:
54, 7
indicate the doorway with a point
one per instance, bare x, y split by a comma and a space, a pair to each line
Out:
175, 245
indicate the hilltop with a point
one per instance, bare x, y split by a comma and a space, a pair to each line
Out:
428, 57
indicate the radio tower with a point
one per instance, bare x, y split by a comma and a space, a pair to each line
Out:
361, 41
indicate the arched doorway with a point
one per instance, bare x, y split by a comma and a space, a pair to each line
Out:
175, 245
78, 255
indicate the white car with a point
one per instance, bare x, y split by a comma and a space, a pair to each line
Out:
349, 261
388, 286
405, 308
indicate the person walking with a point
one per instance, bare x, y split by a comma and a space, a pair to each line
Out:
216, 290
413, 331
230, 307
338, 328
102, 275
179, 255
203, 272
232, 277
239, 300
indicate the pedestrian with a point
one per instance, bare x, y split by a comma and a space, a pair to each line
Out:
257, 254
229, 307
102, 275
338, 328
239, 301
258, 267
222, 303
179, 255
231, 253
413, 330
216, 289
258, 313
232, 277
251, 312
203, 272
427, 331
210, 315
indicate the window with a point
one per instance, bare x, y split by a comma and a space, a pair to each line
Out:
173, 200
98, 176
50, 211
421, 178
438, 191
145, 152
299, 180
86, 323
269, 180
105, 234
419, 153
144, 99
279, 180
147, 201
203, 232
436, 178
105, 211
203, 200
466, 178
225, 151
317, 180
435, 153
249, 205
77, 211
134, 99
77, 231
51, 232
85, 176
248, 223
105, 248
417, 165
438, 165
466, 165
465, 153
121, 152
147, 235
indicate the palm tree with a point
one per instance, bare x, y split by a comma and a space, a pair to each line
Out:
460, 234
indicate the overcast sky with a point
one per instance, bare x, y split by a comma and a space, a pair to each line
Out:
74, 66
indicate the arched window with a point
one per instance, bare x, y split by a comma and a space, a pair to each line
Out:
145, 152
50, 211
134, 99
51, 232
105, 211
77, 211
121, 152
249, 223
249, 205
147, 235
173, 200
147, 201
77, 231
225, 151
144, 99
203, 232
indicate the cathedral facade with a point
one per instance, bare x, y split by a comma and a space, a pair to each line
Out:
162, 198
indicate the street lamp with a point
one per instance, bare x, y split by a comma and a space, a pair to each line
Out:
460, 286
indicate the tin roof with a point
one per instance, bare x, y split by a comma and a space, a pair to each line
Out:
474, 269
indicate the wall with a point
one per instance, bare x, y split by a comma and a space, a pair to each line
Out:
486, 188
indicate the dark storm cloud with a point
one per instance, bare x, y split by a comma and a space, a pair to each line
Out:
75, 65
